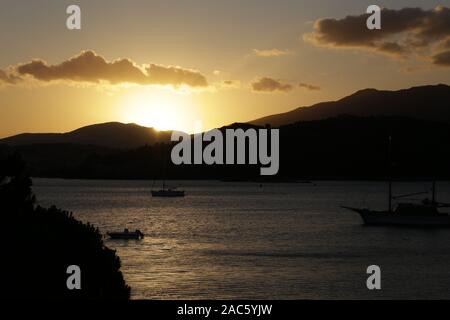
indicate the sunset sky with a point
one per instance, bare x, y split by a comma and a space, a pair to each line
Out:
199, 64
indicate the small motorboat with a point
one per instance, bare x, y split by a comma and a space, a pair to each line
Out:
126, 234
168, 193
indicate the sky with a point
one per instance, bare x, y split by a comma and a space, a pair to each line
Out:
194, 65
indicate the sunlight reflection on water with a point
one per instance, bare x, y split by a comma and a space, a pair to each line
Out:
237, 240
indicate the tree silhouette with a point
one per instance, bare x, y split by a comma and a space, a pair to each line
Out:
41, 243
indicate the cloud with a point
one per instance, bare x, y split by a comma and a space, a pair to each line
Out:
266, 84
176, 76
442, 59
230, 84
93, 68
403, 32
446, 44
8, 78
85, 67
270, 53
309, 86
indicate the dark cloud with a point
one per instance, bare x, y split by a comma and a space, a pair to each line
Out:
309, 86
442, 59
90, 67
158, 74
86, 67
436, 25
266, 84
446, 44
403, 32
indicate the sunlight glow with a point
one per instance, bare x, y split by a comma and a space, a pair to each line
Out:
162, 111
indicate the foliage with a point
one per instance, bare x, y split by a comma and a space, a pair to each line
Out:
42, 242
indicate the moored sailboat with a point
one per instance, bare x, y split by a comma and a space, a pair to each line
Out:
167, 192
425, 214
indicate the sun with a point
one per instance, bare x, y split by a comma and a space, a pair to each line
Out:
160, 111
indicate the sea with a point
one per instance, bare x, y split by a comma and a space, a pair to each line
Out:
247, 240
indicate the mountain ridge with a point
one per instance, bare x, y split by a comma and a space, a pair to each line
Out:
109, 134
342, 148
428, 102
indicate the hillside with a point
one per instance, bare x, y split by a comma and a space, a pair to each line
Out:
109, 135
425, 103
344, 147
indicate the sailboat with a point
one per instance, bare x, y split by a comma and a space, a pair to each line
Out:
167, 192
425, 214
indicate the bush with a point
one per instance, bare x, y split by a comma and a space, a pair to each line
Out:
42, 242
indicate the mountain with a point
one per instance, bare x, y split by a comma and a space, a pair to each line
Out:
344, 147
110, 135
425, 103
430, 103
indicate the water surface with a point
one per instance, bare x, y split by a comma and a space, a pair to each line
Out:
230, 240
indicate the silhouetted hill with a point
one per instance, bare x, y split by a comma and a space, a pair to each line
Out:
344, 147
425, 102
110, 135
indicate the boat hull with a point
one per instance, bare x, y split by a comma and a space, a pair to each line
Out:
124, 236
380, 218
167, 194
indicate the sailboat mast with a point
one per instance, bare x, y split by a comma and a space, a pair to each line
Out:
433, 199
390, 174
164, 166
390, 196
